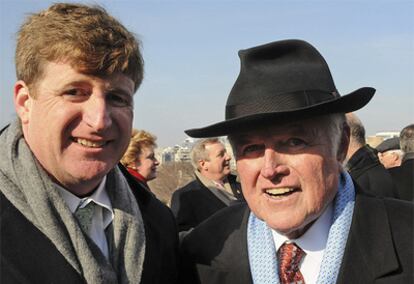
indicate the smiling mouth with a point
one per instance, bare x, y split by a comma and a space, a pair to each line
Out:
279, 192
89, 143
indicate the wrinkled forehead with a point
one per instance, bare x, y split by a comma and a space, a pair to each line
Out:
309, 127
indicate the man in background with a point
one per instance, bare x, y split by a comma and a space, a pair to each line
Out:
363, 163
213, 188
389, 153
403, 176
68, 214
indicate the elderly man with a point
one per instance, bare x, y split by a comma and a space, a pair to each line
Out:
305, 220
389, 153
214, 187
403, 175
68, 214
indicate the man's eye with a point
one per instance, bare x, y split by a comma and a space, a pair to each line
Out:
75, 92
295, 142
253, 150
221, 154
119, 100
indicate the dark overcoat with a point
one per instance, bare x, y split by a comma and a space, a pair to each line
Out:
194, 203
367, 171
379, 247
403, 177
28, 256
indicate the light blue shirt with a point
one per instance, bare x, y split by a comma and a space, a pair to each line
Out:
102, 217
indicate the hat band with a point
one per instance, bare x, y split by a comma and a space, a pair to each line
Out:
280, 103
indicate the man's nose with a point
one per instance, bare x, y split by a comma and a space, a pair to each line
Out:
97, 113
273, 165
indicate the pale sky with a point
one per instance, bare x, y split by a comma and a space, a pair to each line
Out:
190, 52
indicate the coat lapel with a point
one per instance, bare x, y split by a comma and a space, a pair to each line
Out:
231, 266
241, 265
369, 253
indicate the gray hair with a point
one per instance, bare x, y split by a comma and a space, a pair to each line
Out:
407, 139
397, 152
199, 152
334, 124
357, 129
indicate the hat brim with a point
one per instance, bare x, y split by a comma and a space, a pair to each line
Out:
343, 104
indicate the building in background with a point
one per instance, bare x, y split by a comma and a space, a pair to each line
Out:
376, 139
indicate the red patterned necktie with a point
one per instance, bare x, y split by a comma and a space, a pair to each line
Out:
289, 257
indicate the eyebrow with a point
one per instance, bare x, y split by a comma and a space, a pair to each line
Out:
77, 83
118, 91
85, 82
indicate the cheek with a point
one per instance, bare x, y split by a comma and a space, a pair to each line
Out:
248, 173
123, 114
49, 127
328, 181
146, 166
123, 124
319, 179
220, 163
123, 119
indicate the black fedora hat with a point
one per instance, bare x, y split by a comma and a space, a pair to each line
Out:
282, 80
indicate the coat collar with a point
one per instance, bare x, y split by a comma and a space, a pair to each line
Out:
370, 244
142, 194
408, 156
238, 267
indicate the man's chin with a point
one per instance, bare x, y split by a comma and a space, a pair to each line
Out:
90, 171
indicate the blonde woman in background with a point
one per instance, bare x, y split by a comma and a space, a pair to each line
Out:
139, 158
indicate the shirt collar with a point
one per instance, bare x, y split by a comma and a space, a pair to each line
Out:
100, 197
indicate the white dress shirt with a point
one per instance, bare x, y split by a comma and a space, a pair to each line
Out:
313, 243
102, 216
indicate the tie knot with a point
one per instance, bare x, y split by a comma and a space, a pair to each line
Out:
289, 257
84, 215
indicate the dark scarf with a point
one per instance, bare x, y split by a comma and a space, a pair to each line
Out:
137, 175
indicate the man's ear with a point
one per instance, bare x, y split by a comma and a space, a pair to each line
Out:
344, 143
394, 157
202, 164
22, 101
